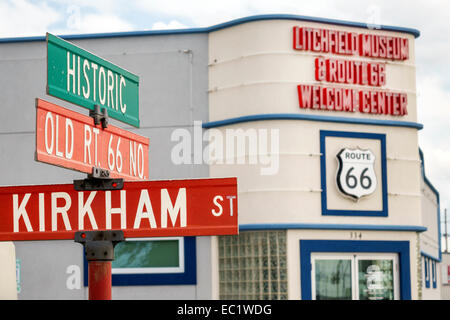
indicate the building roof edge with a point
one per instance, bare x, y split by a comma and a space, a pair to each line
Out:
220, 26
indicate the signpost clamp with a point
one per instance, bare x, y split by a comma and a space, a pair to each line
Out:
99, 245
98, 180
99, 251
99, 116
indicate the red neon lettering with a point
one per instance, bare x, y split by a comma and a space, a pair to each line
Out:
403, 104
331, 70
341, 71
364, 74
320, 69
404, 52
341, 42
381, 74
307, 37
373, 74
316, 40
388, 103
298, 38
364, 97
381, 100
396, 104
333, 41
349, 73
304, 96
354, 43
329, 98
316, 97
324, 41
338, 94
364, 45
382, 51
396, 54
374, 52
357, 69
350, 43
373, 102
389, 46
347, 100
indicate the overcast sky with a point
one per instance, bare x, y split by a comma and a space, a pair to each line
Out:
431, 17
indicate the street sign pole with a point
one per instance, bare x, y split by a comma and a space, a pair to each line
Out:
99, 245
99, 251
99, 280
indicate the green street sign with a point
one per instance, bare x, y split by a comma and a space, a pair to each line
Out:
80, 77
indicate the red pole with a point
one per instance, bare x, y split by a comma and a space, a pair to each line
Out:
99, 280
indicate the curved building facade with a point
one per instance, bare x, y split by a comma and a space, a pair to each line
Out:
316, 118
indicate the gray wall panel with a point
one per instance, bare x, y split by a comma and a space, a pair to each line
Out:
173, 71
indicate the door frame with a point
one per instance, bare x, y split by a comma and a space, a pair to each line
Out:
357, 246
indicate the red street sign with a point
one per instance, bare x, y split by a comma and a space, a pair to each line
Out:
198, 207
71, 140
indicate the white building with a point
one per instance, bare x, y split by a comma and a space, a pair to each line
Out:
333, 198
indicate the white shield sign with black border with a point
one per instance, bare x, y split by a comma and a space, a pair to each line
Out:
356, 176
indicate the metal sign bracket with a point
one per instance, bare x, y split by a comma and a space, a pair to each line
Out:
99, 245
98, 180
100, 116
99, 252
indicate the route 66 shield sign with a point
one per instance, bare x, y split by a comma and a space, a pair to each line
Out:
356, 175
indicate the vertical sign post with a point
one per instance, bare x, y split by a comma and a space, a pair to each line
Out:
99, 251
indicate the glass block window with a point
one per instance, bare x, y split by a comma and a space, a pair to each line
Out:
252, 265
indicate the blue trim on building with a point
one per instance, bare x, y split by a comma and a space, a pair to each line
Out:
430, 264
428, 183
325, 226
427, 272
414, 32
426, 255
434, 274
311, 246
306, 117
357, 135
189, 276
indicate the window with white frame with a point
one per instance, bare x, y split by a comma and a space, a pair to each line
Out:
153, 261
149, 255
252, 265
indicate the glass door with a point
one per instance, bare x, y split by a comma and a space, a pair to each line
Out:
349, 276
377, 277
332, 277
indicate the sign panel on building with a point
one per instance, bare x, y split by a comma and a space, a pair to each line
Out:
82, 78
351, 71
198, 207
356, 177
71, 140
